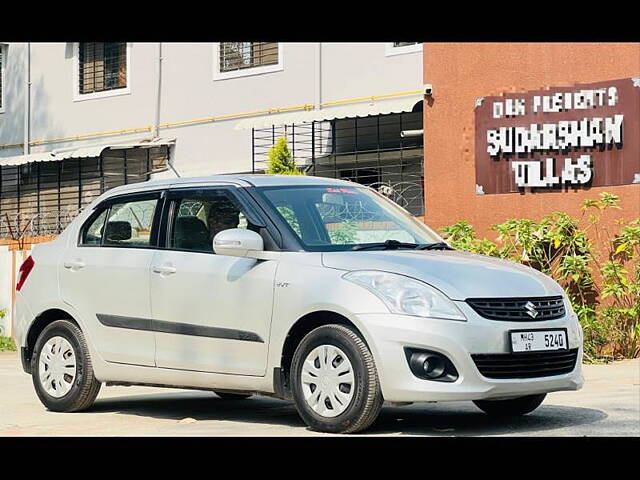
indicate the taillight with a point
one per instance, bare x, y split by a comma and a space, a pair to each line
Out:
25, 270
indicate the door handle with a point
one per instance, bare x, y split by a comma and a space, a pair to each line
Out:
74, 265
164, 270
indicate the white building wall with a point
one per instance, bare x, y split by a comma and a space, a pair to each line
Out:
189, 91
6, 289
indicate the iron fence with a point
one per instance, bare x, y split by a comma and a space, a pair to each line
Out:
366, 150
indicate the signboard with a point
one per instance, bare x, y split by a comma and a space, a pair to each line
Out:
580, 136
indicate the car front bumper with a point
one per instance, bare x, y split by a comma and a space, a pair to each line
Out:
388, 335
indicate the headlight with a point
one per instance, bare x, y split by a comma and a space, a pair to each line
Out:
405, 295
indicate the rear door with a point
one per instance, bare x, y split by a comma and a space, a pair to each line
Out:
105, 276
211, 312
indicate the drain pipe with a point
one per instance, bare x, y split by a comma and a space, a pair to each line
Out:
27, 101
318, 92
156, 120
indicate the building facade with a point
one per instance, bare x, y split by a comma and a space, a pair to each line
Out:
79, 118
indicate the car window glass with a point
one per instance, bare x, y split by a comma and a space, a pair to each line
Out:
200, 215
92, 234
129, 223
340, 217
355, 223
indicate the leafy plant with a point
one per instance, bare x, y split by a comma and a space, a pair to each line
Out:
6, 343
280, 160
599, 271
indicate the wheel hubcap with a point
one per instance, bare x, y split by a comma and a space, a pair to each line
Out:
57, 367
327, 381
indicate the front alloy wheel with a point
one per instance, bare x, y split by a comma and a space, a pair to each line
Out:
334, 381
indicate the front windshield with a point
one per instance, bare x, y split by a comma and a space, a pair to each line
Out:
326, 218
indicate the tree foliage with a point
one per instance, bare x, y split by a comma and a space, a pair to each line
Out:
280, 160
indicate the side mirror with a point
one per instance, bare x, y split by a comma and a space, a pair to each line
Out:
236, 242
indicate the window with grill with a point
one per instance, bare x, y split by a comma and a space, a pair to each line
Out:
236, 56
102, 66
400, 48
404, 44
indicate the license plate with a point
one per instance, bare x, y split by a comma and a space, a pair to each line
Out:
538, 340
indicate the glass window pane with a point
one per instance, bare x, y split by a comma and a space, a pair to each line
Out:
200, 215
92, 234
344, 217
130, 223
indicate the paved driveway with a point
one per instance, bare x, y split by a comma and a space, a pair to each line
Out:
608, 405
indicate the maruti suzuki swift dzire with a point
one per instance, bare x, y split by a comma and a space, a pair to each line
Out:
314, 290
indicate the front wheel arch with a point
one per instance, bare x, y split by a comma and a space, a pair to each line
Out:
299, 330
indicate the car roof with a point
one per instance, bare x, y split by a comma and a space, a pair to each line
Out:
247, 180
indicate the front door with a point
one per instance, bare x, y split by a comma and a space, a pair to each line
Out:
105, 277
211, 312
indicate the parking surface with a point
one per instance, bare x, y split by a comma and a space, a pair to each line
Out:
608, 405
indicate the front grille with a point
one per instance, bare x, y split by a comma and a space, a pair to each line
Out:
519, 309
526, 365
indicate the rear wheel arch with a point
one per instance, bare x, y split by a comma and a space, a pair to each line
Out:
40, 323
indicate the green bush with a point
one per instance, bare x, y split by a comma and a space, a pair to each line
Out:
602, 283
280, 160
6, 344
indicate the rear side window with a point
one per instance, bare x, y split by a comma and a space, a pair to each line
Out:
129, 224
92, 234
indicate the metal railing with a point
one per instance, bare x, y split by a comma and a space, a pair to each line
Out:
366, 150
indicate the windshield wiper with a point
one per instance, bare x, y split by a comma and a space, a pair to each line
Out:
435, 246
386, 245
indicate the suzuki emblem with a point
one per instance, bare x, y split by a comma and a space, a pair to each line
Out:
531, 309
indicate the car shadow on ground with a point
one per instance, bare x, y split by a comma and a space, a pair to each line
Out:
442, 419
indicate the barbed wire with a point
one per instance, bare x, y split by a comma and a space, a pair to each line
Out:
18, 225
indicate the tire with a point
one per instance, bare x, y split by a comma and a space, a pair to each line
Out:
232, 396
354, 406
511, 407
82, 389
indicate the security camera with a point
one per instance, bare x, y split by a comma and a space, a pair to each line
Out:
427, 88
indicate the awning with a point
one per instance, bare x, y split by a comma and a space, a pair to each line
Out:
82, 152
351, 110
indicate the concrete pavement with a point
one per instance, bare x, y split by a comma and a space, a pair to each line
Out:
608, 405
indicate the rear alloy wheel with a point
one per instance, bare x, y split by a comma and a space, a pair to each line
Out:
334, 381
511, 407
61, 369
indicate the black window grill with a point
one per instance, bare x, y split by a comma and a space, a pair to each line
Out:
403, 44
242, 55
102, 66
526, 365
519, 309
368, 150
41, 198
